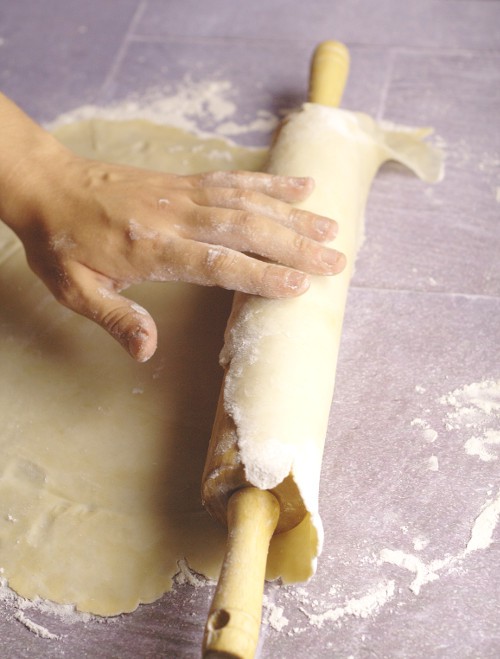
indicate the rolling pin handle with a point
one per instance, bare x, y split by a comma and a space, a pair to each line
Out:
328, 75
232, 629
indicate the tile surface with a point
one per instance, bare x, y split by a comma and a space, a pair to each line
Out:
422, 318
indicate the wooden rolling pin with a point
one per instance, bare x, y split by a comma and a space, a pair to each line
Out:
253, 515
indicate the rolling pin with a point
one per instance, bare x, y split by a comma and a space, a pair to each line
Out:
254, 515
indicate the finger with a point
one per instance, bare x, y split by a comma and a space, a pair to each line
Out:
309, 224
286, 188
216, 265
256, 234
92, 295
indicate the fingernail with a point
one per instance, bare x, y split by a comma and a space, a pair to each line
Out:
331, 257
137, 343
296, 281
327, 228
302, 181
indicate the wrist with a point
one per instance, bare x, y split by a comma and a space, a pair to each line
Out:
31, 162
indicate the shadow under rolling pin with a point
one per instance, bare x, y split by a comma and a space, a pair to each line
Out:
253, 515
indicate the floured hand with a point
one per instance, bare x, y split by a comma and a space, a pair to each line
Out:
92, 229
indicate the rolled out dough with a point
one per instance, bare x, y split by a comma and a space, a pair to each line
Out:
101, 458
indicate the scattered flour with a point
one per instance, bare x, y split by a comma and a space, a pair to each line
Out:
481, 537
484, 526
273, 615
433, 463
476, 407
479, 445
186, 575
265, 123
420, 543
64, 612
361, 607
430, 435
473, 407
34, 627
206, 108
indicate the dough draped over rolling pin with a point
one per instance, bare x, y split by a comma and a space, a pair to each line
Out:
280, 356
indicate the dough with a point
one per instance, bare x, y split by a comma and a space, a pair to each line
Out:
280, 356
101, 458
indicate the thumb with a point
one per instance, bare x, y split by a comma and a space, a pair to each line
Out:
93, 296
126, 321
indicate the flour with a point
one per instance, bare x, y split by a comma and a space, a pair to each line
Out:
473, 407
265, 123
476, 408
362, 607
273, 615
206, 108
35, 628
139, 232
429, 434
481, 537
186, 575
433, 463
424, 573
480, 445
64, 612
420, 543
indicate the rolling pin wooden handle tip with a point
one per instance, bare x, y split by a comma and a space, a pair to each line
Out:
328, 75
233, 624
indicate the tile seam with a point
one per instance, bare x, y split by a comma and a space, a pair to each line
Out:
122, 49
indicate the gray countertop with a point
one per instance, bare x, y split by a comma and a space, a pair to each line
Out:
410, 491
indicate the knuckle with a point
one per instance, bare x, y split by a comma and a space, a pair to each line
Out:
116, 321
217, 178
219, 261
271, 281
297, 216
251, 223
239, 196
301, 244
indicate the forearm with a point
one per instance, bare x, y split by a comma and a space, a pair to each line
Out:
30, 158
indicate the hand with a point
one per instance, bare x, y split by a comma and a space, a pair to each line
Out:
93, 229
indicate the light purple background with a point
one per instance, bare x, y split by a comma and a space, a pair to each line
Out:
424, 308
